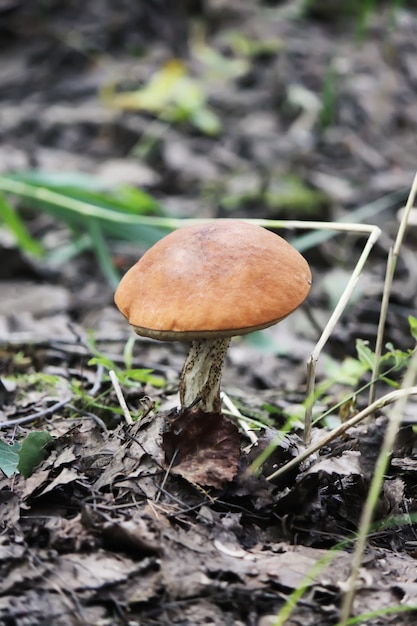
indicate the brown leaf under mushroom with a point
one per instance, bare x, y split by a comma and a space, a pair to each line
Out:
202, 447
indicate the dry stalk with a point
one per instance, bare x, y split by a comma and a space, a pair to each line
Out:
389, 278
120, 397
389, 398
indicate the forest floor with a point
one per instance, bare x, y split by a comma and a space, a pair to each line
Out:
302, 115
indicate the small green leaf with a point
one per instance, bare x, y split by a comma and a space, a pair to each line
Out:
144, 376
350, 371
206, 121
391, 383
128, 352
396, 358
103, 361
9, 457
365, 354
413, 326
33, 452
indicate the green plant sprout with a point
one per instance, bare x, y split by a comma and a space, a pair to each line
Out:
397, 360
128, 376
351, 370
288, 192
347, 373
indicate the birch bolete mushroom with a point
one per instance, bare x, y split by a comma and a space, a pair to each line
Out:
205, 284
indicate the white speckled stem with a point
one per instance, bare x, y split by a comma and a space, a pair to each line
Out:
202, 373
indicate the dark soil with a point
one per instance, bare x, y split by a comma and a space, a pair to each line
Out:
318, 120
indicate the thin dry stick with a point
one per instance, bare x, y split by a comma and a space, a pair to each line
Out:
374, 233
340, 307
120, 397
389, 278
389, 398
395, 418
38, 414
111, 215
236, 413
167, 473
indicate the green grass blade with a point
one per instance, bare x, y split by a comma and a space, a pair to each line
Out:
65, 253
61, 204
121, 218
102, 253
91, 189
391, 610
17, 227
361, 215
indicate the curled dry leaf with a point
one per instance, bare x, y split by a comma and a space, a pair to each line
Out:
203, 448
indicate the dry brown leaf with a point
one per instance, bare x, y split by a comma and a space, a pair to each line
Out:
131, 536
204, 448
9, 508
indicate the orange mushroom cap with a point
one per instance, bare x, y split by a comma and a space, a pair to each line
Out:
219, 279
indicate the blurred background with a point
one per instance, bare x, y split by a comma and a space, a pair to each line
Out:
112, 115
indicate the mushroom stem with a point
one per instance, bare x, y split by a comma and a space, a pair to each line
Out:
201, 374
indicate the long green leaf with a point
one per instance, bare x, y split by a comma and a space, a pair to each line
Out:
74, 212
14, 223
102, 253
93, 190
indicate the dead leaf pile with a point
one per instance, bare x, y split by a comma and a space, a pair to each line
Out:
101, 530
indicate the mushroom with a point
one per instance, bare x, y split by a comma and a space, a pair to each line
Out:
205, 284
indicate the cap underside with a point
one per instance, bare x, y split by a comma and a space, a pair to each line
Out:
161, 335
